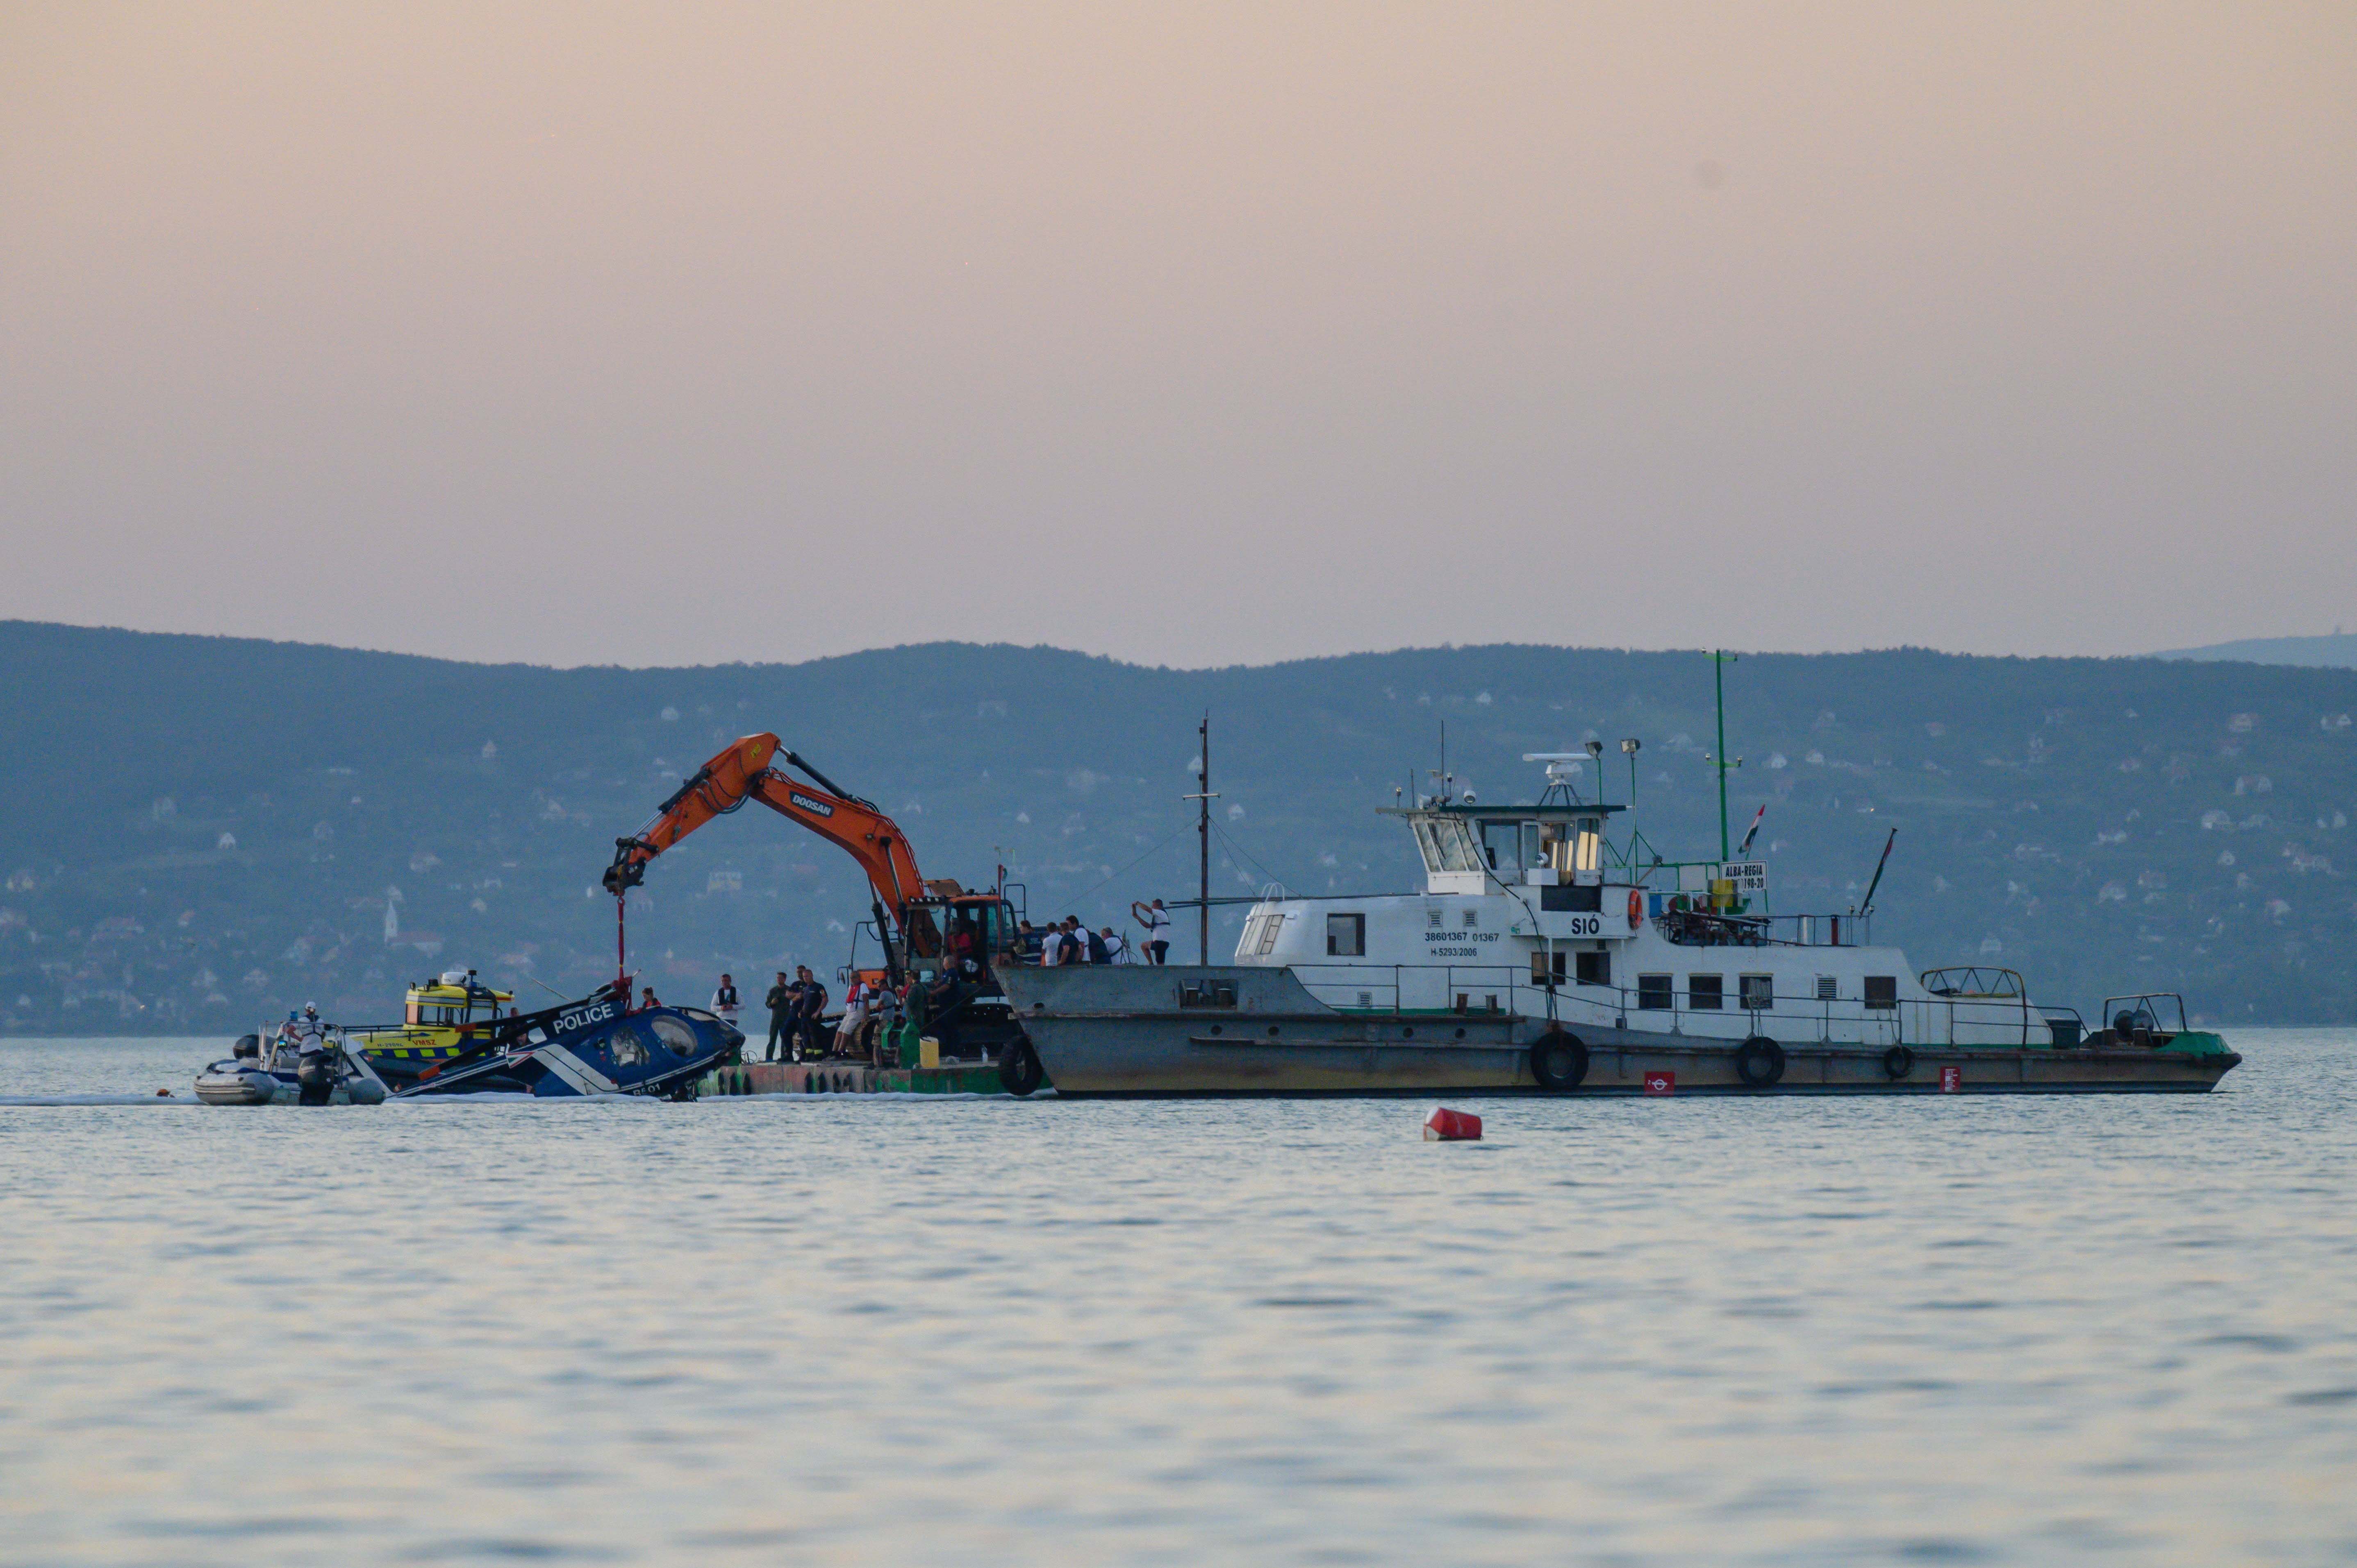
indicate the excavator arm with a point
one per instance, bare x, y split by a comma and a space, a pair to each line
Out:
743, 772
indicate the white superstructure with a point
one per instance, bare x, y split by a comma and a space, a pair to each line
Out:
1530, 910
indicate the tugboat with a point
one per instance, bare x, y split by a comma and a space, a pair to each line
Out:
1541, 956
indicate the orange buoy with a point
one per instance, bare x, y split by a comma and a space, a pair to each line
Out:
1636, 909
1446, 1126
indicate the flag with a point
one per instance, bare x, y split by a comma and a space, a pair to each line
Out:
1749, 833
1867, 906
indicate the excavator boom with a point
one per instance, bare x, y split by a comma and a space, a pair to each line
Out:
743, 772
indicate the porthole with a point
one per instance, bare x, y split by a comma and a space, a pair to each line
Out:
1460, 1034
1407, 1034
1215, 1028
1272, 1029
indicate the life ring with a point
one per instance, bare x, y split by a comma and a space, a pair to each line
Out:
1559, 1060
1897, 1062
1636, 909
1759, 1062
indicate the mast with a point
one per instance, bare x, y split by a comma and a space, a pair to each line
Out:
1718, 663
1203, 837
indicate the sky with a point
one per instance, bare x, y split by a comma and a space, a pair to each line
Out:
1189, 335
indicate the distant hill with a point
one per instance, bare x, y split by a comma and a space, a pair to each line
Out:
2338, 651
198, 833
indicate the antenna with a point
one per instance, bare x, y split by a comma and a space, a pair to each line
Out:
1628, 750
1718, 662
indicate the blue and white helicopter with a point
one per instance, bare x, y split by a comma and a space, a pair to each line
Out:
594, 1046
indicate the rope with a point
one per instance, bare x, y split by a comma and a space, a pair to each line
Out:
1240, 849
1126, 869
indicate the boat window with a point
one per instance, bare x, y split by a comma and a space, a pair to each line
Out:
1580, 847
1346, 935
1654, 993
1882, 992
1206, 993
1595, 968
1511, 846
1270, 925
1447, 843
1540, 974
1705, 993
1759, 992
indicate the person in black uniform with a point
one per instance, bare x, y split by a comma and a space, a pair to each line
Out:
780, 1000
807, 1012
941, 999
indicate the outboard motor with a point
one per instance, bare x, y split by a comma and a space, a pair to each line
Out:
247, 1046
315, 1082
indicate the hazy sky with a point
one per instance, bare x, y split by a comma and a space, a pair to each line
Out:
664, 334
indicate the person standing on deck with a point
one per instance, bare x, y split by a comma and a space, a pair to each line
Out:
310, 1034
724, 1000
807, 1008
1156, 921
781, 1000
854, 1017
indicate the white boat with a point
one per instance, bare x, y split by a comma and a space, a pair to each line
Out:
279, 1073
1540, 955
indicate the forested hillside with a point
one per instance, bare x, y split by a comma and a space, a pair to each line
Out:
198, 833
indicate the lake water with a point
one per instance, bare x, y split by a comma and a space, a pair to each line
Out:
1949, 1329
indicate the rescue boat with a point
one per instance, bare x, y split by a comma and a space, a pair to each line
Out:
442, 1019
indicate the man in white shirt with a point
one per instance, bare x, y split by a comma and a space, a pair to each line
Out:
724, 1000
1156, 921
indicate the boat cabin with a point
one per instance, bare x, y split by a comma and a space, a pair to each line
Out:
1536, 911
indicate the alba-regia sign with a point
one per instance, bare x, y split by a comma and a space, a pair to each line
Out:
1748, 876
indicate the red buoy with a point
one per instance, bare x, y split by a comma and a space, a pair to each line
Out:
1446, 1126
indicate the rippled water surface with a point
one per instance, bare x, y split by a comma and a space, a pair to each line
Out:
1780, 1330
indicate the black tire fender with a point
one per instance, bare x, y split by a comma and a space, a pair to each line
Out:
1897, 1062
1559, 1060
1759, 1062
1018, 1067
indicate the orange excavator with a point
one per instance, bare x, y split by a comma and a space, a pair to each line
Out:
937, 926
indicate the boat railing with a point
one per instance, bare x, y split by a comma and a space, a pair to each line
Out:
1706, 928
1825, 1014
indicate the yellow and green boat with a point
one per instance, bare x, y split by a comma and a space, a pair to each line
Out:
440, 1019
